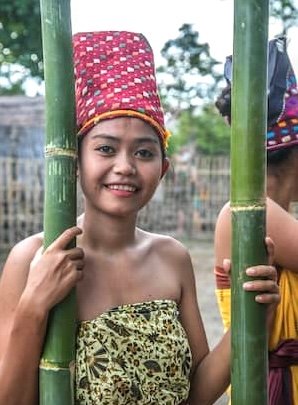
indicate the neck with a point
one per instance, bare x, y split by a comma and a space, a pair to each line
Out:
106, 232
281, 189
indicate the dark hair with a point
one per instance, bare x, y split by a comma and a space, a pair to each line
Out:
223, 102
275, 157
279, 71
279, 156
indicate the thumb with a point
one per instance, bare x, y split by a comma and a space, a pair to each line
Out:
65, 238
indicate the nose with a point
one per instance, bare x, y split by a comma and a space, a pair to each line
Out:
124, 165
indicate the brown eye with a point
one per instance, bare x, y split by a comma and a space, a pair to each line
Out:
105, 149
144, 153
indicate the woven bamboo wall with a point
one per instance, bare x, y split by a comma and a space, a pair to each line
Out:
185, 205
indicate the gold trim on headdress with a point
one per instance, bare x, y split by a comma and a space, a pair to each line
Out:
162, 132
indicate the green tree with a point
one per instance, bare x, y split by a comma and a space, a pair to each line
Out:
188, 75
206, 130
286, 11
20, 43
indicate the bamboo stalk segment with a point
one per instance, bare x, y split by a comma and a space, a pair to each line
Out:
56, 366
248, 165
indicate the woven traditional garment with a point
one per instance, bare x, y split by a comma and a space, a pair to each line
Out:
115, 76
133, 354
284, 331
285, 132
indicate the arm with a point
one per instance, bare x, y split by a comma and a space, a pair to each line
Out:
211, 373
211, 369
282, 228
222, 248
28, 290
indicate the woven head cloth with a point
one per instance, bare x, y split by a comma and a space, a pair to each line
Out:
284, 133
282, 119
115, 77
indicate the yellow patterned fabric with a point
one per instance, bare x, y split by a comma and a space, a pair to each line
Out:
286, 319
133, 354
224, 304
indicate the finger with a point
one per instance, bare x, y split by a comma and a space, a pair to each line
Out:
268, 298
226, 264
269, 272
65, 238
75, 253
261, 285
270, 249
79, 264
69, 282
74, 277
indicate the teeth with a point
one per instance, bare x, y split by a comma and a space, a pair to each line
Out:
123, 187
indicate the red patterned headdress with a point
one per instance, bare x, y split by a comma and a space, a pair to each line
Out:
115, 77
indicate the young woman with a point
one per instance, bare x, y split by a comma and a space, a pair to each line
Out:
140, 335
282, 227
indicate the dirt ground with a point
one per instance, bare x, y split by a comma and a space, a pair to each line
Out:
203, 261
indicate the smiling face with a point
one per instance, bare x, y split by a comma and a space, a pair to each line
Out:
120, 165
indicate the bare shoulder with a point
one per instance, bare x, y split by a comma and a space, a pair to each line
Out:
16, 267
224, 215
168, 247
223, 235
282, 227
26, 248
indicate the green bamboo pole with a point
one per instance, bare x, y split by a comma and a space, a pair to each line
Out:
57, 362
249, 115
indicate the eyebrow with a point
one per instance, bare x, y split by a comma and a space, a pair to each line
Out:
142, 139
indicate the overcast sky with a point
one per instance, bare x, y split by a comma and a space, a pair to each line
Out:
160, 21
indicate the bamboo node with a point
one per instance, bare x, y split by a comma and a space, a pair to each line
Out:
52, 151
253, 207
49, 366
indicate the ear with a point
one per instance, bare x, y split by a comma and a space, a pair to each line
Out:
165, 166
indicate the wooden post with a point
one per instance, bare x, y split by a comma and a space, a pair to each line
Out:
248, 158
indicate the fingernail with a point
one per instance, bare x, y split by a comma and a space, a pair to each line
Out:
250, 271
248, 285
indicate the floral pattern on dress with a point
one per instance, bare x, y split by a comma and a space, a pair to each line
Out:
133, 354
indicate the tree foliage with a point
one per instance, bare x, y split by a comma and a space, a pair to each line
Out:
188, 75
207, 131
286, 11
189, 79
20, 40
21, 45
